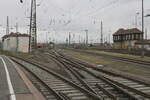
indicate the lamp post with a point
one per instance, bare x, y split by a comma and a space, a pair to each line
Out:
21, 1
136, 19
143, 16
87, 37
142, 54
148, 15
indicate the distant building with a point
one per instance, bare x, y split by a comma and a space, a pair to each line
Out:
0, 44
42, 45
144, 43
16, 42
126, 38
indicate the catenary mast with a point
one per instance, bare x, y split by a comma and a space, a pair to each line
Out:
33, 28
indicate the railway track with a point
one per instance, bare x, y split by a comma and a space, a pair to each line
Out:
52, 85
106, 71
124, 51
147, 63
103, 84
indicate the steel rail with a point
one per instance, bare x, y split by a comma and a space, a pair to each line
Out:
90, 94
107, 92
56, 56
102, 70
64, 96
84, 83
131, 96
77, 74
58, 96
113, 85
129, 88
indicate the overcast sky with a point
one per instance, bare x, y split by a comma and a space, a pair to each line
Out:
57, 18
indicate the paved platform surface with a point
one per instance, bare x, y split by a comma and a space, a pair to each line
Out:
18, 86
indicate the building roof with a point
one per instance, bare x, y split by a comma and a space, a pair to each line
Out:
127, 31
15, 35
143, 42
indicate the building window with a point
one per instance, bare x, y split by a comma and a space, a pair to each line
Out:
114, 38
119, 37
137, 36
129, 37
141, 36
132, 36
8, 42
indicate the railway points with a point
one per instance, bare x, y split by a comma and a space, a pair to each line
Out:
106, 75
78, 80
74, 50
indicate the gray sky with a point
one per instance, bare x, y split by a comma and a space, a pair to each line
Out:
58, 17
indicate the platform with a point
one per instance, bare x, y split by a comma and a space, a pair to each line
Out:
12, 84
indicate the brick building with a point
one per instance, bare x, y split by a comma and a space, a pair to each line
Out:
126, 38
16, 42
143, 43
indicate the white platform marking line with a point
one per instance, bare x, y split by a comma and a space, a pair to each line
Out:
11, 90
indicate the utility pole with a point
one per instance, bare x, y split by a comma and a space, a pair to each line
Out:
142, 54
101, 33
79, 39
7, 26
27, 31
109, 39
33, 28
66, 42
86, 37
146, 33
69, 38
143, 17
136, 20
16, 27
73, 39
17, 37
46, 37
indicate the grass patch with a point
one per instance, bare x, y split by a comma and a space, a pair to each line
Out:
120, 55
112, 63
8, 53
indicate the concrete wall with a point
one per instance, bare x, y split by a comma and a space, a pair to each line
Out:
125, 44
117, 45
146, 46
10, 44
129, 44
23, 44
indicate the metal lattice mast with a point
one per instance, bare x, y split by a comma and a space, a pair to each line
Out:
33, 29
7, 26
101, 33
86, 37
